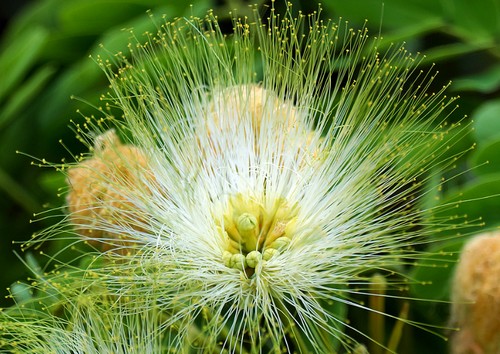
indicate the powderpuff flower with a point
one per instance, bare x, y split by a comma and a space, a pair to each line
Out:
265, 176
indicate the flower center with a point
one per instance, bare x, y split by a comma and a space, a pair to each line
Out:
255, 232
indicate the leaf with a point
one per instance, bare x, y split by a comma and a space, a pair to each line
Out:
486, 82
390, 14
96, 16
432, 276
487, 121
52, 181
452, 50
17, 192
18, 58
66, 49
25, 94
83, 77
117, 39
475, 21
486, 159
468, 210
403, 34
35, 14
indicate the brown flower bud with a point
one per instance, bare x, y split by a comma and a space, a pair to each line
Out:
476, 297
102, 189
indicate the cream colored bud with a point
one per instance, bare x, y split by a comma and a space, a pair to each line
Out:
252, 100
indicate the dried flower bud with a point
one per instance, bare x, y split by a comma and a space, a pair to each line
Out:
476, 297
252, 100
101, 189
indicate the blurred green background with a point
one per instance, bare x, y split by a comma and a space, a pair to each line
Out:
44, 59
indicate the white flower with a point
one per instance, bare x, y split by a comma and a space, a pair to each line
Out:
278, 168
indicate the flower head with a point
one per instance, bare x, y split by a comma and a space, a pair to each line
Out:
271, 171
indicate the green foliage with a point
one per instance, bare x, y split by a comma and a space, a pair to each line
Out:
475, 27
44, 59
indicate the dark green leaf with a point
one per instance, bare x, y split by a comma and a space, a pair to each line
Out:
52, 182
432, 276
17, 192
18, 58
486, 82
453, 50
470, 209
475, 21
96, 16
25, 94
389, 14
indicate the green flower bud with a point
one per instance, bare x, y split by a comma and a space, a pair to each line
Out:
238, 261
253, 258
269, 253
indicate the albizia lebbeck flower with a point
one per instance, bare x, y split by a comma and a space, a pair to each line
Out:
273, 171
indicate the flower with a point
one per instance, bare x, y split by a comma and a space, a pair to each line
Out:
272, 171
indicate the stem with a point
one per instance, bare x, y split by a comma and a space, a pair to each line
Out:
296, 336
376, 329
397, 331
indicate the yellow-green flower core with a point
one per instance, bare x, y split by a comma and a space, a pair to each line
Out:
256, 232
